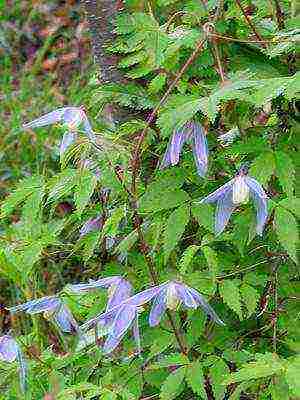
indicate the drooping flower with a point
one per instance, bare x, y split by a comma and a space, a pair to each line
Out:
53, 308
193, 133
9, 352
235, 192
73, 117
119, 289
118, 319
171, 294
92, 224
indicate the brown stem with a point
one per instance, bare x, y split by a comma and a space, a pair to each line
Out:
136, 153
249, 22
279, 15
217, 58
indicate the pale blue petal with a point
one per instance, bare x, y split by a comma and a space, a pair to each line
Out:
205, 306
99, 284
259, 197
141, 298
8, 348
67, 140
123, 320
111, 343
219, 193
185, 296
91, 225
47, 303
121, 292
47, 119
158, 308
200, 149
65, 320
225, 208
88, 129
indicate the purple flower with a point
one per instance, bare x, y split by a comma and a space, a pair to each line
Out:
119, 289
53, 308
92, 224
235, 192
9, 352
118, 319
67, 140
190, 132
71, 116
171, 294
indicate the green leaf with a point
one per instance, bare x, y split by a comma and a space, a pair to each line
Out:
195, 378
128, 242
174, 229
212, 261
111, 225
62, 184
287, 231
170, 360
292, 376
279, 389
157, 83
230, 294
263, 167
292, 204
204, 214
267, 365
85, 186
187, 258
250, 297
285, 172
217, 373
24, 189
155, 200
172, 385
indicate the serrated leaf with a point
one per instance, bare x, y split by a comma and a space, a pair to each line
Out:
187, 258
62, 184
25, 188
287, 231
195, 379
266, 366
85, 186
170, 360
157, 83
250, 297
157, 200
217, 373
171, 386
285, 172
292, 204
292, 376
111, 225
230, 294
263, 167
174, 229
212, 261
204, 214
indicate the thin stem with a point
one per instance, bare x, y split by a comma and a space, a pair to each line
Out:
216, 55
136, 154
249, 22
275, 300
240, 271
279, 15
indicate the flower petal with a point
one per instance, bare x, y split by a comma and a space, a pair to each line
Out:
122, 291
8, 348
225, 208
65, 320
185, 296
47, 303
92, 224
158, 308
100, 283
200, 149
205, 306
123, 320
219, 193
141, 298
111, 343
260, 201
67, 140
47, 119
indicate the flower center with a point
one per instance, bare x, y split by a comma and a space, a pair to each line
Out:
172, 299
240, 191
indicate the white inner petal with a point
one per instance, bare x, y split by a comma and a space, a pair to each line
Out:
240, 191
172, 299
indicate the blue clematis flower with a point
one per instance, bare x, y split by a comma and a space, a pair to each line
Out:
171, 294
53, 308
119, 289
92, 224
235, 192
9, 352
73, 117
190, 132
118, 319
